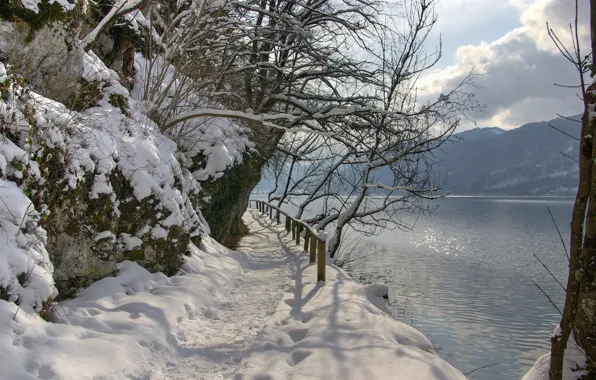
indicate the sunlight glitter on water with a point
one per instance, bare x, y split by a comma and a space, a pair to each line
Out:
464, 278
438, 242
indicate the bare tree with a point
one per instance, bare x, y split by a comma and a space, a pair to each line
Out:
375, 164
341, 75
580, 301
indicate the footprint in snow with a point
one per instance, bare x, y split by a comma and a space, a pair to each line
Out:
298, 356
298, 334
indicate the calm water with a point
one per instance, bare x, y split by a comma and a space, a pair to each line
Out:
464, 279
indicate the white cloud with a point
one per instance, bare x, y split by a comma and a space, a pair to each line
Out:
559, 14
520, 68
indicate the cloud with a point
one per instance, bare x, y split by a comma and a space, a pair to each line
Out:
559, 14
519, 69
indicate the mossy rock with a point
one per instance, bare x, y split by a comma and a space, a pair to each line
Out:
119, 101
86, 96
48, 13
228, 195
75, 220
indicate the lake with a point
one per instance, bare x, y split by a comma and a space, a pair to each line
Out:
464, 279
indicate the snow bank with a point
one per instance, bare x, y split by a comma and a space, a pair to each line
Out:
574, 359
120, 327
25, 268
333, 330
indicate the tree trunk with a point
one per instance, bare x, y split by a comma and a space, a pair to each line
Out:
585, 324
580, 301
559, 343
229, 194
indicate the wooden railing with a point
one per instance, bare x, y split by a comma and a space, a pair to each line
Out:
314, 244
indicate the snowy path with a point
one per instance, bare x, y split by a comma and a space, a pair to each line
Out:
212, 346
257, 314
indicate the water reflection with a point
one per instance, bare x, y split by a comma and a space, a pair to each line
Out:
464, 278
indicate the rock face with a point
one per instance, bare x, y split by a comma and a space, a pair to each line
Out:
108, 185
227, 197
86, 238
98, 209
85, 148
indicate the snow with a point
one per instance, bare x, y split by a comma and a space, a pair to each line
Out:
3, 76
101, 140
574, 358
159, 233
33, 5
104, 235
23, 252
198, 324
130, 242
220, 141
203, 322
338, 330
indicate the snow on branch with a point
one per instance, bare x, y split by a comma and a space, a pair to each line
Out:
120, 8
397, 188
264, 119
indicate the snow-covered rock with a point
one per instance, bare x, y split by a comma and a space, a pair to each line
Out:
105, 169
25, 267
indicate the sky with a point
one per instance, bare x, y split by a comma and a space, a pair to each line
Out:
506, 42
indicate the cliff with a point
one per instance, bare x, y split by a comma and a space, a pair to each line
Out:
90, 176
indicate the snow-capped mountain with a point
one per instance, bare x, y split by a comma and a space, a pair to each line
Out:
529, 160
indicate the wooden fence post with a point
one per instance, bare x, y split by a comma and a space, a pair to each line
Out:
277, 217
270, 212
306, 238
313, 248
293, 229
321, 256
298, 229
288, 221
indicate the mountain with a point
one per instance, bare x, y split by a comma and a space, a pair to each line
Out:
477, 134
521, 161
527, 160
